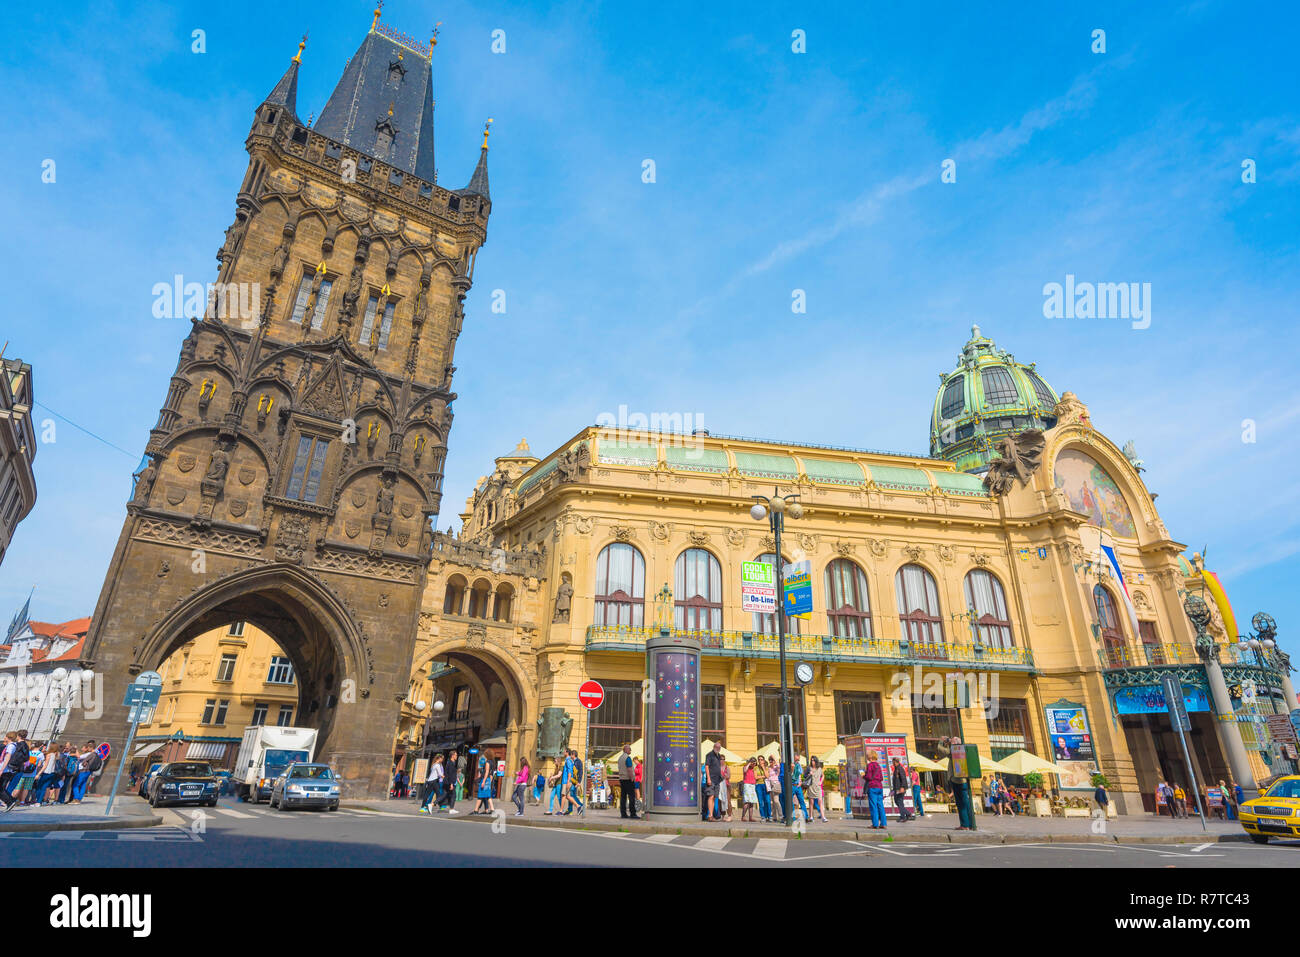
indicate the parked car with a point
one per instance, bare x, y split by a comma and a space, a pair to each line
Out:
183, 782
306, 785
225, 782
143, 790
1275, 813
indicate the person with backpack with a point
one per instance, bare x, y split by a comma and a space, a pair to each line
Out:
49, 772
626, 784
14, 762
88, 765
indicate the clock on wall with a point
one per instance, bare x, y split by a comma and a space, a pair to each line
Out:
803, 673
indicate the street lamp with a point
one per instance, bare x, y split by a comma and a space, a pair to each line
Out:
775, 509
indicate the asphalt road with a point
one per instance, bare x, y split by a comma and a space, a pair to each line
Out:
240, 835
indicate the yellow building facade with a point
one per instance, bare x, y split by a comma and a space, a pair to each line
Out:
212, 689
998, 578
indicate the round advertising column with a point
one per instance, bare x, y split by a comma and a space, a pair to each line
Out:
672, 723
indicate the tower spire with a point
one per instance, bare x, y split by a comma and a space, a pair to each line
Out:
379, 8
302, 45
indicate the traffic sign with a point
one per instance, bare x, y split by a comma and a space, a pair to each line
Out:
591, 695
1175, 703
758, 587
137, 694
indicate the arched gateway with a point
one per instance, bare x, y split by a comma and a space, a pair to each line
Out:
297, 460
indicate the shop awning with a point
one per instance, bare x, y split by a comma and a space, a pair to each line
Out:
147, 749
835, 756
987, 766
1022, 762
638, 751
729, 756
922, 763
206, 750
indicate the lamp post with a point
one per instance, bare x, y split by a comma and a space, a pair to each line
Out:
775, 509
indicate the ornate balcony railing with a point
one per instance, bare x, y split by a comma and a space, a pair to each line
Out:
744, 644
1144, 656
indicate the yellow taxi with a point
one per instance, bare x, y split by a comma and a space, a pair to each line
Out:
1275, 813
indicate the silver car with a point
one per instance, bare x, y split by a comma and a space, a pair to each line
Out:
306, 785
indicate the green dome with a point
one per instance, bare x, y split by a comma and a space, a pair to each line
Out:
989, 395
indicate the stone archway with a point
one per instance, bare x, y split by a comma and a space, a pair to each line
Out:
314, 628
484, 666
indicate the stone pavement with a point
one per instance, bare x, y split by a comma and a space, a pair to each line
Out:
933, 828
128, 811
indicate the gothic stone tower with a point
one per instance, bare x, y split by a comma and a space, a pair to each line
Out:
298, 458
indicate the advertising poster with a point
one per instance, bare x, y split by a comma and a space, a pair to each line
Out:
1150, 699
676, 774
798, 589
1071, 740
758, 587
887, 747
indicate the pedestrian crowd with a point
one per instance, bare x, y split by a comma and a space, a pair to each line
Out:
39, 773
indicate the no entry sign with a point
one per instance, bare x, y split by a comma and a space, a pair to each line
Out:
590, 695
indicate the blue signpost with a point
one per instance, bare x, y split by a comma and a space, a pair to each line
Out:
141, 698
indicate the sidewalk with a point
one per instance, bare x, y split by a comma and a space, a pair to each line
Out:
931, 829
128, 811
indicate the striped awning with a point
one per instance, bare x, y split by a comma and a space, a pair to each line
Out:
147, 749
206, 750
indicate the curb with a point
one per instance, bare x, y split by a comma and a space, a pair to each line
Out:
114, 823
861, 837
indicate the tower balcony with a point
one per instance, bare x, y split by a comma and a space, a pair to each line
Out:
833, 648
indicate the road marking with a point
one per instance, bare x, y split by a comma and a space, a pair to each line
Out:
658, 838
712, 843
1197, 850
230, 812
771, 848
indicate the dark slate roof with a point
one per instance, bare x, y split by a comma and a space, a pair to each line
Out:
381, 74
478, 183
285, 93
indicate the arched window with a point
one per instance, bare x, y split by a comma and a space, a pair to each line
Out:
480, 600
985, 597
847, 605
766, 624
698, 591
1112, 634
918, 606
455, 597
501, 605
620, 586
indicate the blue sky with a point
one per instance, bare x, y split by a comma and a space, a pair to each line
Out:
775, 171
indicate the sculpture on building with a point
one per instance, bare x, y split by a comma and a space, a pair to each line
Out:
553, 729
1021, 456
573, 463
563, 599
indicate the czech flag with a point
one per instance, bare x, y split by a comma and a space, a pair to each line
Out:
1123, 587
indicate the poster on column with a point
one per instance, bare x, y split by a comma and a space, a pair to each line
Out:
1071, 741
675, 776
886, 747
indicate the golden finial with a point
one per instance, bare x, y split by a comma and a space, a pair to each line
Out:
390, 108
433, 40
379, 8
487, 131
302, 45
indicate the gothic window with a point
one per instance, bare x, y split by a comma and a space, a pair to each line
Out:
368, 323
620, 586
847, 604
954, 397
300, 302
984, 596
386, 326
766, 624
308, 464
999, 387
322, 303
698, 578
918, 605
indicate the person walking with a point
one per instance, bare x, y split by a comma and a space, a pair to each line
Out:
483, 786
577, 782
749, 790
1229, 804
48, 772
1180, 800
899, 784
433, 785
874, 780
640, 800
1102, 798
12, 764
626, 784
452, 769
917, 804
774, 796
797, 787
521, 785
